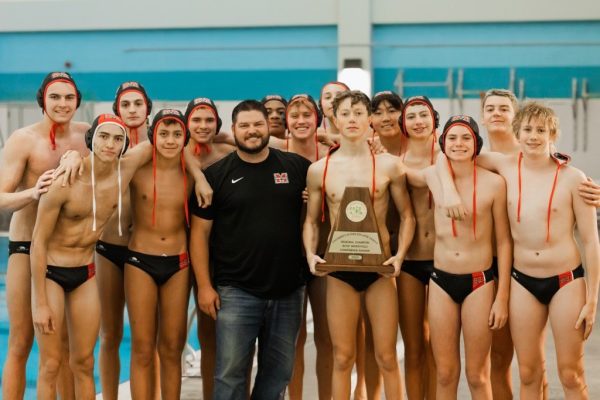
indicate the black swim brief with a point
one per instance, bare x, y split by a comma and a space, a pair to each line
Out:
114, 253
459, 286
160, 268
70, 278
360, 281
18, 248
545, 288
420, 269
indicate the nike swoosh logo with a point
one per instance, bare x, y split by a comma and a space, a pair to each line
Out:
237, 180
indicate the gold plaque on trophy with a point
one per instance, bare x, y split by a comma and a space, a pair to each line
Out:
355, 242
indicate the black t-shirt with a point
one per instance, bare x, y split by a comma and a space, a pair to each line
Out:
255, 241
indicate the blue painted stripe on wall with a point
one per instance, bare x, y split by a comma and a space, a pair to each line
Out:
541, 44
176, 85
171, 50
539, 82
233, 85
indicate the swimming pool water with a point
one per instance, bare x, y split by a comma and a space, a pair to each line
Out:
33, 362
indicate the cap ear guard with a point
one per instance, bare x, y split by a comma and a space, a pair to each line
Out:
89, 137
219, 124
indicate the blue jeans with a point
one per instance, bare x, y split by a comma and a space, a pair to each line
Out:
242, 319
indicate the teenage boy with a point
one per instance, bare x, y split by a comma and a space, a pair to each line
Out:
326, 182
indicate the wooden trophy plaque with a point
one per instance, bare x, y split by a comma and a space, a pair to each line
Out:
355, 242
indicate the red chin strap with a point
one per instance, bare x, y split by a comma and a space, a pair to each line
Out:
200, 148
134, 134
53, 134
559, 164
185, 196
134, 137
474, 199
55, 125
323, 182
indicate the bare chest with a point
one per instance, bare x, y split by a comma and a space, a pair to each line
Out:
81, 198
536, 199
42, 157
169, 187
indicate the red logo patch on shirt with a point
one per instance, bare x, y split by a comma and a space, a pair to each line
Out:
280, 178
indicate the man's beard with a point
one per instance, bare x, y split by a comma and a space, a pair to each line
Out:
252, 150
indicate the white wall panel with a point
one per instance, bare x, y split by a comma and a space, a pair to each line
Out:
57, 15
60, 15
440, 11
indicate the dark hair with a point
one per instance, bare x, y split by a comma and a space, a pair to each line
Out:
169, 121
355, 96
389, 96
249, 105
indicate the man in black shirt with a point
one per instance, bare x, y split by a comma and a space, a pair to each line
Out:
251, 234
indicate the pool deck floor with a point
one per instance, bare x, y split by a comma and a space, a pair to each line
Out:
192, 386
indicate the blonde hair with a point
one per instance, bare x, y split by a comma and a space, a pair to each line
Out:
539, 111
501, 93
301, 101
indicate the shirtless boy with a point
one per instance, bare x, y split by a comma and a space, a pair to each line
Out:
68, 224
303, 117
29, 155
328, 93
461, 295
497, 114
387, 107
133, 105
543, 207
345, 167
276, 105
419, 122
156, 270
204, 123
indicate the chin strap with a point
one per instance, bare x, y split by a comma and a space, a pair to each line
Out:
53, 129
201, 147
560, 161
